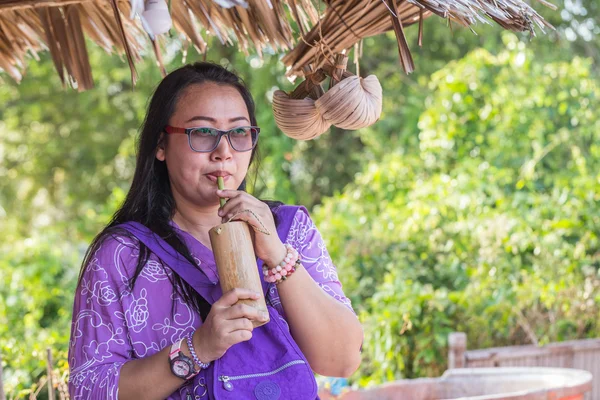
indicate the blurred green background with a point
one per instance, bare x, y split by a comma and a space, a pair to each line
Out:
472, 205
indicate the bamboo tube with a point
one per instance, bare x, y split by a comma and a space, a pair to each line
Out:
232, 246
236, 262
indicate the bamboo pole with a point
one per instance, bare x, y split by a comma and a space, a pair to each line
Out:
236, 262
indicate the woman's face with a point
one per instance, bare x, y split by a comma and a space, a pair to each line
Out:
193, 175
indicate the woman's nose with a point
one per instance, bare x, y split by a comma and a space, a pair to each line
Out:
223, 150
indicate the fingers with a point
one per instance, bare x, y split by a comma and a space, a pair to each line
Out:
245, 311
229, 194
231, 208
240, 336
240, 324
251, 218
242, 210
229, 323
241, 215
239, 199
234, 203
234, 295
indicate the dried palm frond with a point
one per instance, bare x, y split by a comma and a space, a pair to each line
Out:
294, 26
347, 21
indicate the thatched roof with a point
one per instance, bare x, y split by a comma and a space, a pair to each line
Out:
291, 26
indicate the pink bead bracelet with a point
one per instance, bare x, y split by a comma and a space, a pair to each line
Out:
284, 269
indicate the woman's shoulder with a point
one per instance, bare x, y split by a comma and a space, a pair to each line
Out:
296, 221
290, 211
115, 250
116, 241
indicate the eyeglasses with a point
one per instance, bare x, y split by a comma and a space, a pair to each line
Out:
205, 140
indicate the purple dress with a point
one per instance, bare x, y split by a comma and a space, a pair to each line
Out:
113, 324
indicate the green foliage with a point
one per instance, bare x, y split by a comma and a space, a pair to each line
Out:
491, 228
471, 205
37, 282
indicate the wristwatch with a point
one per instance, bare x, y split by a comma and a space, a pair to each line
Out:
181, 365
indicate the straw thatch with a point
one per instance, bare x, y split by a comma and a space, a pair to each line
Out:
309, 31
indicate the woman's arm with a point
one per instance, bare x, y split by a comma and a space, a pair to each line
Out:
150, 377
328, 333
100, 351
327, 330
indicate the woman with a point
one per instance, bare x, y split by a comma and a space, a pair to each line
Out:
141, 330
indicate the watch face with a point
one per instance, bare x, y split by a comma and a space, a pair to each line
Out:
180, 368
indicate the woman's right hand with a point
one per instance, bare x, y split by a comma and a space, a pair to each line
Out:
227, 324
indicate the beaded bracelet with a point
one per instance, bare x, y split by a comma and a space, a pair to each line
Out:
285, 268
193, 351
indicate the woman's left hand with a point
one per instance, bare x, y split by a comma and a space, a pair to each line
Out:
242, 206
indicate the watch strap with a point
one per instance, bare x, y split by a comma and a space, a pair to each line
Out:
176, 353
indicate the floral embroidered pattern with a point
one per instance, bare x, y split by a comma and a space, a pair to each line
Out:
154, 271
137, 313
305, 237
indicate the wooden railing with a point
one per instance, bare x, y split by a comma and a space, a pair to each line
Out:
578, 354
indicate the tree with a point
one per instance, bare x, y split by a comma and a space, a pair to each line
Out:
492, 223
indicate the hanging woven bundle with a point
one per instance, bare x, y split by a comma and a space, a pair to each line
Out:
350, 103
298, 118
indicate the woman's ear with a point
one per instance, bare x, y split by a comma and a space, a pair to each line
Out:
160, 148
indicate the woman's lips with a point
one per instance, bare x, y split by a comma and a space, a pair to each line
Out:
214, 177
